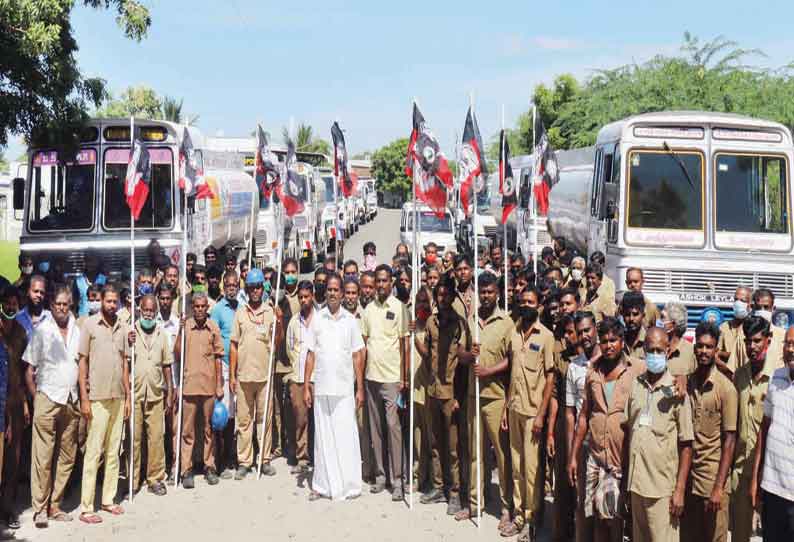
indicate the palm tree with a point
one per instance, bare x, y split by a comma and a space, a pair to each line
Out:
172, 111
303, 139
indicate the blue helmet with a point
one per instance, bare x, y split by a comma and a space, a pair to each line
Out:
220, 416
255, 276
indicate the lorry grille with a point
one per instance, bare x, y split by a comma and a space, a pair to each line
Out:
717, 282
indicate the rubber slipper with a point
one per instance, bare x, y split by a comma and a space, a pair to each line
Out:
90, 517
60, 515
115, 509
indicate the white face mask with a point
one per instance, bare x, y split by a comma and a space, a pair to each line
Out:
576, 274
27, 269
765, 314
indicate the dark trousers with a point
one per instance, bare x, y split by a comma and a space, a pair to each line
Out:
777, 518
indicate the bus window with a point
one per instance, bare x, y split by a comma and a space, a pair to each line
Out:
328, 182
62, 195
661, 194
430, 222
751, 194
157, 212
596, 192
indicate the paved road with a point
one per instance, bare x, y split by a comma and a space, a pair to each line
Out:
384, 231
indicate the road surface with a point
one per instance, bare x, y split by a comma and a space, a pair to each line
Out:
384, 231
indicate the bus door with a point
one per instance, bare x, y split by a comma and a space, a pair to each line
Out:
604, 198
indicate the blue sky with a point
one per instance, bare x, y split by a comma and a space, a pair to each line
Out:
239, 62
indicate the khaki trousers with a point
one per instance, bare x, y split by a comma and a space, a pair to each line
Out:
382, 398
54, 432
741, 512
490, 431
151, 414
697, 524
301, 414
250, 412
365, 442
527, 473
442, 421
11, 463
651, 520
195, 409
421, 444
104, 438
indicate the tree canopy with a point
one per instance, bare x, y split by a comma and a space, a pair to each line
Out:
305, 140
713, 75
388, 167
142, 101
41, 88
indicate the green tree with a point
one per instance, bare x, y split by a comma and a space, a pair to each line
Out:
138, 101
305, 141
172, 111
3, 161
43, 95
388, 167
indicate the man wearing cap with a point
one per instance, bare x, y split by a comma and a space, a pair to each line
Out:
250, 357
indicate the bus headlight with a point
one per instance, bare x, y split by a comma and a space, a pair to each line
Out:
781, 319
712, 315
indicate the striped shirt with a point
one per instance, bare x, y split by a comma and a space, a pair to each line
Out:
778, 475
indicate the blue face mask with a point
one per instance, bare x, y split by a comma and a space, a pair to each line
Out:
101, 280
44, 267
656, 363
148, 324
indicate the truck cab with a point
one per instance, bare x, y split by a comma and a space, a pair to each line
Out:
432, 227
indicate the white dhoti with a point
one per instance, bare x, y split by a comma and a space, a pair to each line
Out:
337, 456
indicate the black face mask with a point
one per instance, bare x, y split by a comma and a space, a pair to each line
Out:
528, 314
402, 292
319, 291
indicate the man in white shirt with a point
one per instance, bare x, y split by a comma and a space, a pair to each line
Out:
335, 347
52, 354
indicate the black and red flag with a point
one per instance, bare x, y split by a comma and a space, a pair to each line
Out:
292, 191
427, 166
547, 170
137, 179
266, 167
507, 185
347, 180
191, 174
473, 169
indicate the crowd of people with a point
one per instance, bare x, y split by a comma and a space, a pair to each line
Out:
605, 407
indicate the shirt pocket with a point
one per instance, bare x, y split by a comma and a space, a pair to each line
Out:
531, 359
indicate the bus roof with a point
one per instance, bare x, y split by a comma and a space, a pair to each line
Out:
622, 128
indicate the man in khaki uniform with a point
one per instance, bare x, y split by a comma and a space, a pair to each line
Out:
599, 301
531, 386
681, 353
52, 354
489, 364
764, 306
444, 332
464, 296
154, 392
201, 385
635, 280
660, 447
714, 412
384, 327
297, 349
252, 332
751, 381
607, 284
632, 308
104, 401
731, 351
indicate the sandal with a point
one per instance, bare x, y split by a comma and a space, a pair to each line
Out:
314, 496
90, 517
504, 522
464, 515
114, 509
40, 520
60, 515
514, 529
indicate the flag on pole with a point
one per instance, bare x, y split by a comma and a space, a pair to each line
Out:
507, 185
266, 168
136, 183
427, 165
547, 171
472, 167
347, 179
191, 176
291, 193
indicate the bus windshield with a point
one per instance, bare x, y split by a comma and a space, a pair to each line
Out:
329, 189
62, 195
430, 222
751, 193
665, 190
158, 211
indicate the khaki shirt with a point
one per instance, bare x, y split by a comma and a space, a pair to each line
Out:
601, 304
251, 332
292, 299
752, 392
152, 353
636, 350
732, 341
714, 411
421, 369
442, 346
532, 360
658, 420
106, 347
203, 347
606, 429
607, 287
464, 303
651, 313
124, 316
561, 363
681, 361
496, 334
384, 325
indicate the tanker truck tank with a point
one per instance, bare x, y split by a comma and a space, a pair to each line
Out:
569, 199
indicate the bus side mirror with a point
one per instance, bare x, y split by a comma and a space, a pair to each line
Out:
402, 228
19, 193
